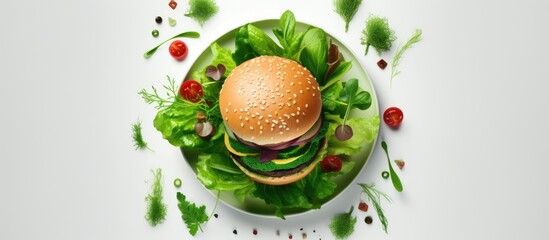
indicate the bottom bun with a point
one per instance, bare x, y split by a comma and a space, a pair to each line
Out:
283, 180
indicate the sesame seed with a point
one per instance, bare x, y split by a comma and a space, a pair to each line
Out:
251, 128
306, 105
241, 124
226, 110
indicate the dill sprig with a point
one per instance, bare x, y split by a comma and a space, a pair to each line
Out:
375, 197
398, 55
137, 137
377, 34
347, 10
343, 225
156, 208
202, 10
154, 98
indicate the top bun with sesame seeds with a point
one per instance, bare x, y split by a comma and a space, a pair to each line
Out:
270, 100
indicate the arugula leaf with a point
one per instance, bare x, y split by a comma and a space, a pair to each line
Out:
314, 53
192, 215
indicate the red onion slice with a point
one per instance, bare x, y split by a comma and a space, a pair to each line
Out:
309, 135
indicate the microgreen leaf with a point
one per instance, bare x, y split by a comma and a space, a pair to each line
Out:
394, 177
354, 98
398, 55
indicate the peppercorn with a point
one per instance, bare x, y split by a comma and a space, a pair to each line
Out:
158, 19
368, 220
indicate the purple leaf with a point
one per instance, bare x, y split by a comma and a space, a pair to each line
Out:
221, 68
344, 133
213, 73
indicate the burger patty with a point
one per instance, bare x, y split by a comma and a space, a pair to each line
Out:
280, 173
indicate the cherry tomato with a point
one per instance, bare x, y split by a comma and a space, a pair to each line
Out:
393, 117
191, 90
178, 50
331, 163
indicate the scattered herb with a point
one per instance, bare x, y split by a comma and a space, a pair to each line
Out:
202, 10
398, 55
382, 64
354, 97
151, 52
172, 22
154, 98
173, 5
343, 225
347, 10
177, 182
377, 34
158, 19
192, 215
385, 174
368, 220
137, 137
156, 208
394, 177
155, 33
375, 197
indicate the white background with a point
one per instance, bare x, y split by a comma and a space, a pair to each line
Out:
474, 136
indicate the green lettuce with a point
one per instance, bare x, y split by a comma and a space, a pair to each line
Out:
364, 129
314, 53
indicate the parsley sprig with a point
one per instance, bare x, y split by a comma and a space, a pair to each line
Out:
193, 216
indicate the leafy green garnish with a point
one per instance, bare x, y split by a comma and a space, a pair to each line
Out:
155, 99
156, 208
375, 197
314, 53
137, 137
192, 215
343, 225
288, 37
243, 48
353, 97
394, 177
347, 10
364, 130
398, 55
377, 34
151, 52
202, 10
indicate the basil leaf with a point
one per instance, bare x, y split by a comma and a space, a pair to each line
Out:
263, 44
314, 53
362, 100
243, 48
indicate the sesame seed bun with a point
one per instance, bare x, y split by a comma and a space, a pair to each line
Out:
269, 100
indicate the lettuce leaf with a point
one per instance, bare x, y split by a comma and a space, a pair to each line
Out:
218, 172
364, 129
314, 53
243, 48
222, 56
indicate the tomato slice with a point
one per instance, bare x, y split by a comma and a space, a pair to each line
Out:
393, 117
179, 50
191, 90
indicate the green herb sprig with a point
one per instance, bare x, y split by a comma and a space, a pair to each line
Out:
202, 10
398, 55
347, 10
375, 198
343, 225
378, 34
137, 137
394, 177
151, 52
156, 208
193, 216
353, 97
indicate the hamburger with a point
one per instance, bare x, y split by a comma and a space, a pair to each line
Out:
271, 107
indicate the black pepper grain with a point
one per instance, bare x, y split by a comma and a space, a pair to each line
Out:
158, 19
368, 220
235, 232
215, 215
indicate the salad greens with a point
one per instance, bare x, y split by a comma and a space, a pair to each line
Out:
202, 10
398, 55
156, 208
375, 197
215, 169
343, 225
353, 98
